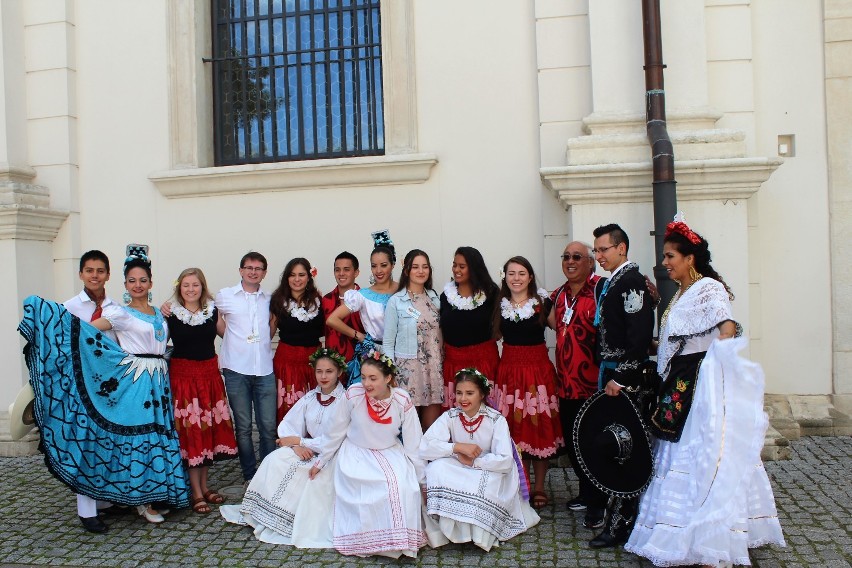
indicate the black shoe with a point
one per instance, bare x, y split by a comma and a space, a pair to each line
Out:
94, 525
576, 504
606, 540
594, 518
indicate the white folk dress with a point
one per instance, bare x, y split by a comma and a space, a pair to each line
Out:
480, 504
282, 504
710, 499
378, 503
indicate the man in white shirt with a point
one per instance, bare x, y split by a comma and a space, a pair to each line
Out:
246, 360
88, 306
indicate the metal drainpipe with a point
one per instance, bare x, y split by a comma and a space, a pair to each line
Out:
662, 152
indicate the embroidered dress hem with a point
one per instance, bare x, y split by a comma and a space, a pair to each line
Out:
105, 415
284, 506
710, 499
482, 356
383, 482
525, 394
294, 375
202, 415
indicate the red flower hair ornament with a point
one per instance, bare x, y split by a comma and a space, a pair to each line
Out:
680, 227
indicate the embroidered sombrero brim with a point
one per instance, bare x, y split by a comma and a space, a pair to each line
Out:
597, 446
21, 418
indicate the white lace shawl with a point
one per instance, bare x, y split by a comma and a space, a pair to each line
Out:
703, 307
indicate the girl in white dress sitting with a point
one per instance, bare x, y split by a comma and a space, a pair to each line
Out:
282, 504
377, 478
472, 481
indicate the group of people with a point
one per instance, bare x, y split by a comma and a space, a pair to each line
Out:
398, 420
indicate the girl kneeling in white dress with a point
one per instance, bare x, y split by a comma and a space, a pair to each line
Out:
282, 504
377, 480
472, 481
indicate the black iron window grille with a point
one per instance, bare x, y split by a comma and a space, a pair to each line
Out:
296, 80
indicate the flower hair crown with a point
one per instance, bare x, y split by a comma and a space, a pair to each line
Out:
679, 226
486, 384
327, 353
377, 355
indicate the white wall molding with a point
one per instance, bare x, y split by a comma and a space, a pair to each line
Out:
719, 179
282, 176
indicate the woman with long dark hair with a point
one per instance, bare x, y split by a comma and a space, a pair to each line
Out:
413, 339
370, 303
104, 410
468, 304
710, 499
525, 389
470, 446
295, 311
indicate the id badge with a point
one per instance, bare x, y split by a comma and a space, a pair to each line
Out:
413, 312
566, 319
253, 338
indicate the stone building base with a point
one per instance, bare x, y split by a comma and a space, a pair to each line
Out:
26, 446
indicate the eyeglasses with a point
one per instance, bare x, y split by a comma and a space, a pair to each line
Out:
253, 268
602, 250
576, 257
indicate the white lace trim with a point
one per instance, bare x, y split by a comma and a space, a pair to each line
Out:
511, 313
192, 318
704, 306
301, 313
460, 302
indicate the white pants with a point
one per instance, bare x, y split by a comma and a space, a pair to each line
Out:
88, 507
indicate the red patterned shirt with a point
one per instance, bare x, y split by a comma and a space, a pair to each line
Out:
343, 344
575, 341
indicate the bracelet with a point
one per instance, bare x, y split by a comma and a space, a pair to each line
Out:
355, 335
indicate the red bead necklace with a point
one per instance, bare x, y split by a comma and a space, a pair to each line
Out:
471, 426
326, 402
377, 411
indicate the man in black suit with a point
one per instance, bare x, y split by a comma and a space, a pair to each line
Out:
625, 321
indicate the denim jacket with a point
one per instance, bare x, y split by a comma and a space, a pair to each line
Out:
400, 340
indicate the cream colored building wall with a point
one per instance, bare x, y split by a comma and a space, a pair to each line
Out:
476, 112
838, 82
735, 60
792, 207
501, 86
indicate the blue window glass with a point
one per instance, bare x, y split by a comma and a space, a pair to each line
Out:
296, 80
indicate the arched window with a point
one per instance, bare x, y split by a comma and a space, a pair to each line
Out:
296, 80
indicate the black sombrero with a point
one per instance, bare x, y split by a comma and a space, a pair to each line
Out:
612, 445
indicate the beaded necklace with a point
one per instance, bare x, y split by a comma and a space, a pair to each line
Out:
471, 426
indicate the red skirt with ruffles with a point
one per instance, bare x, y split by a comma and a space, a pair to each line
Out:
202, 415
294, 373
525, 393
481, 356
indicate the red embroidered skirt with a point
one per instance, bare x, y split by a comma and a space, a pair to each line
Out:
525, 393
294, 373
202, 415
482, 356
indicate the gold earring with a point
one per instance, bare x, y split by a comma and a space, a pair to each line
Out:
694, 275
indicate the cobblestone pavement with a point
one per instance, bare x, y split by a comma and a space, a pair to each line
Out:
39, 526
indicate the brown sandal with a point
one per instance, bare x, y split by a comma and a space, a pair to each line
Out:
212, 497
539, 500
200, 506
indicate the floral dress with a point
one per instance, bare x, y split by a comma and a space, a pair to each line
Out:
423, 377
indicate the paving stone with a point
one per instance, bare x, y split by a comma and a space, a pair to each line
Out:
813, 493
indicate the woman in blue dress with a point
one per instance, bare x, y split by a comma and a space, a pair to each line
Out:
370, 303
104, 410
